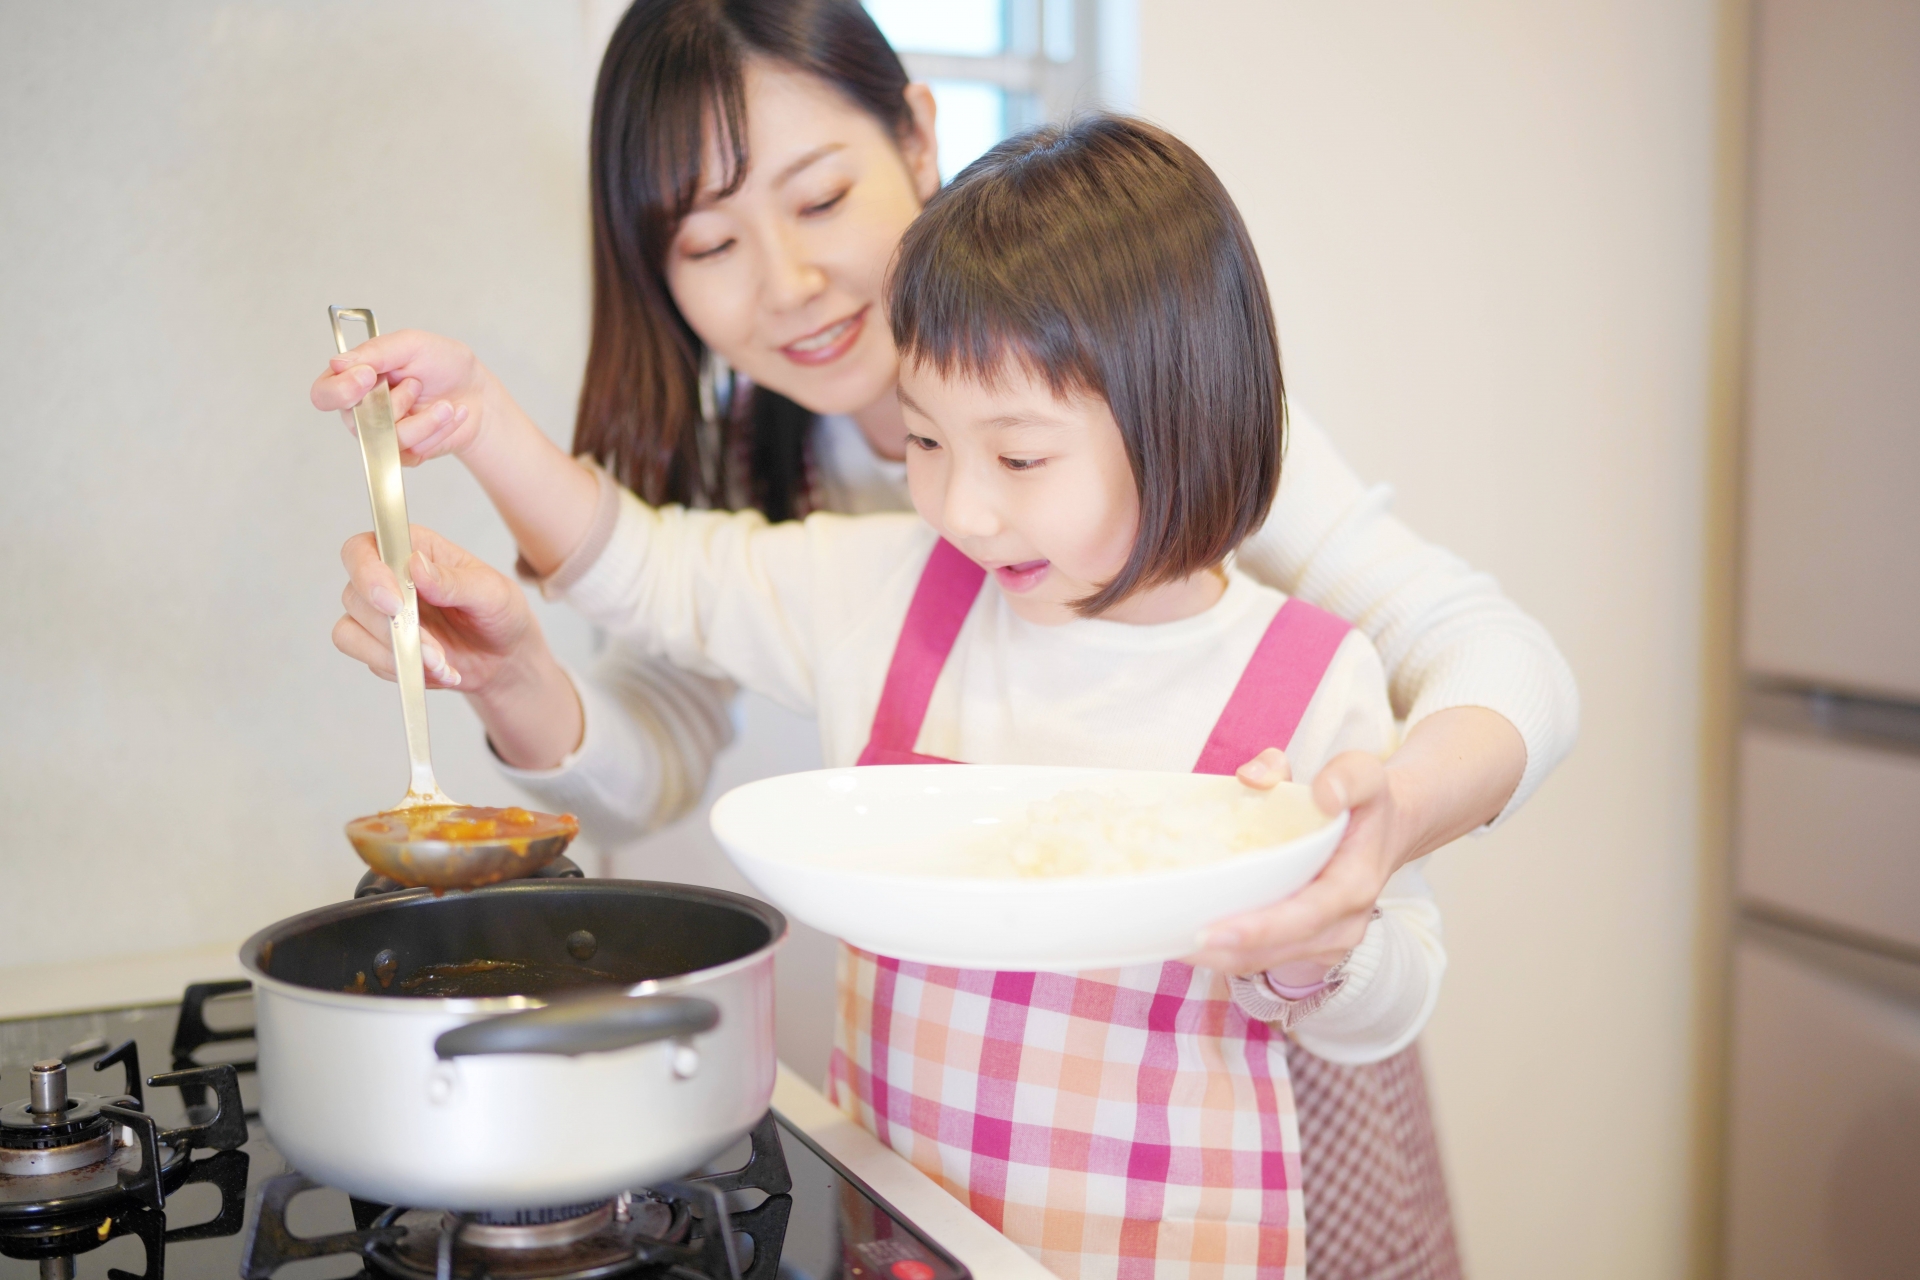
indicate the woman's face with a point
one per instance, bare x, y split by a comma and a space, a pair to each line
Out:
782, 278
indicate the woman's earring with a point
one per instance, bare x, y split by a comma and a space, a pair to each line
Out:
716, 404
716, 387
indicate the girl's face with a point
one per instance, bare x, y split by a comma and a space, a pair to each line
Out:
1036, 488
783, 277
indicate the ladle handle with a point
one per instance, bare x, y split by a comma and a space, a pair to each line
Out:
380, 451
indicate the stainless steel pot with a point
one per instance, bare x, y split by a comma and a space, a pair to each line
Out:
512, 1102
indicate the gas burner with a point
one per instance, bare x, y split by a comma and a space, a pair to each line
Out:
687, 1226
66, 1155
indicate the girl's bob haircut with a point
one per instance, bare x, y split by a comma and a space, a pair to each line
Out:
1104, 256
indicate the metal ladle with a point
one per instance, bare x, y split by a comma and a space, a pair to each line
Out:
428, 839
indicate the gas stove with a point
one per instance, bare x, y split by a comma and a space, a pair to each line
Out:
109, 1175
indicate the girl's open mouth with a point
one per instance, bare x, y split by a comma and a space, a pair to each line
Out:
1021, 577
823, 346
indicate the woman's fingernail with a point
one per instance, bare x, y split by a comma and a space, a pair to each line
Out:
423, 569
1258, 771
450, 676
385, 601
460, 414
1339, 792
364, 374
443, 412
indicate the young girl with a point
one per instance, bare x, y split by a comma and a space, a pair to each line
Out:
1094, 410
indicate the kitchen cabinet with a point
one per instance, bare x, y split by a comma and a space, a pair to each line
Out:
1832, 556
1824, 1142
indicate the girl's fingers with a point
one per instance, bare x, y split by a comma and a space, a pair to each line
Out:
405, 396
426, 434
1351, 780
1266, 770
343, 389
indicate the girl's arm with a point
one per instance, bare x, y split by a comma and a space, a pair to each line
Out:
446, 401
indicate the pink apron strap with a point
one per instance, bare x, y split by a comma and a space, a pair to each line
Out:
948, 587
1276, 687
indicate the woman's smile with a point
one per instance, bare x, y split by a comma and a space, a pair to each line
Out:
825, 345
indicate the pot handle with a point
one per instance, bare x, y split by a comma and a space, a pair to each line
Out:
597, 1024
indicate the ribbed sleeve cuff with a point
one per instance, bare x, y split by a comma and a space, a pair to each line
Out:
607, 780
1519, 678
1259, 998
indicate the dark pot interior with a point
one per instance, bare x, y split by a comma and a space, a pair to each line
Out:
528, 937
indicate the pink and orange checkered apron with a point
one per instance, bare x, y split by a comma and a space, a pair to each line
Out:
1125, 1122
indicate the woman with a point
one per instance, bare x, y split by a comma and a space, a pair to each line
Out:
754, 165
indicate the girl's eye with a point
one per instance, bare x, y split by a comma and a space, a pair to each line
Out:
702, 255
1023, 464
827, 205
922, 443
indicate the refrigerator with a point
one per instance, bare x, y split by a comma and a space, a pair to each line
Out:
1823, 1132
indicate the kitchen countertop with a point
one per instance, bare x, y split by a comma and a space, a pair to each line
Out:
33, 991
986, 1253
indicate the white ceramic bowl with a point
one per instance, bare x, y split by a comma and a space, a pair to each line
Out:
787, 835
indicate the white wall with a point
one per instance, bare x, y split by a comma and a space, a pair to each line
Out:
184, 187
1488, 229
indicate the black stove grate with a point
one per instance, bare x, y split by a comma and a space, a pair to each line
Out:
788, 1210
704, 1229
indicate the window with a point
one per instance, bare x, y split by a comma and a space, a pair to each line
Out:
999, 66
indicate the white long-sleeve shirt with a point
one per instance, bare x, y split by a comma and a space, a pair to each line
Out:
1446, 635
808, 615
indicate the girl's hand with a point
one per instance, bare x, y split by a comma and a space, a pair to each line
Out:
1302, 936
475, 623
440, 391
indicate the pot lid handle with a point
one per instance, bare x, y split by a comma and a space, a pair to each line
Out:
596, 1024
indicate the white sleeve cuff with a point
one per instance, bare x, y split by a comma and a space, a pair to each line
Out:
650, 737
1391, 983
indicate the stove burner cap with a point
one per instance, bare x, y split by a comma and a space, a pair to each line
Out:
52, 1132
535, 1228
534, 1217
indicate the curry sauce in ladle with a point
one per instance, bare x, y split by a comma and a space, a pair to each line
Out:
428, 839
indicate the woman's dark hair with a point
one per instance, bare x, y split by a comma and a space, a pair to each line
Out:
1105, 257
673, 70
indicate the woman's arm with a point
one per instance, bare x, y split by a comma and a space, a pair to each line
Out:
1447, 636
1490, 703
